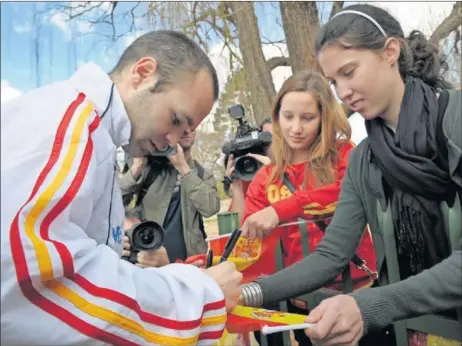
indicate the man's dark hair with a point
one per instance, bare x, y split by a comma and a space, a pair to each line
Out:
174, 52
264, 122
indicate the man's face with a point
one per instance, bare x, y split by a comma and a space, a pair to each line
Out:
187, 139
161, 118
267, 127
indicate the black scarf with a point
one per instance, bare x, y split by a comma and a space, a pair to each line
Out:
416, 171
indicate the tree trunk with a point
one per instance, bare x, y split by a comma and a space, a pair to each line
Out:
257, 71
300, 21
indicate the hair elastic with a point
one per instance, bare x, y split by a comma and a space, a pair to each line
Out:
359, 13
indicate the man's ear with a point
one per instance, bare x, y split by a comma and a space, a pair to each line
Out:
392, 50
144, 71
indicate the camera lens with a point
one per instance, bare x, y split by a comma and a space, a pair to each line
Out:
245, 167
248, 166
148, 235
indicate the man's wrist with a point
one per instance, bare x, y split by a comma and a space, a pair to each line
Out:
184, 169
135, 173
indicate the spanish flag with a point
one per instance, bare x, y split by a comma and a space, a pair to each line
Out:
244, 320
253, 258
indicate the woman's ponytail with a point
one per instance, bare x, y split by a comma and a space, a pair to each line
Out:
421, 59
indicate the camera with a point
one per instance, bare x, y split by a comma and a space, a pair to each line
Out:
160, 157
247, 140
144, 236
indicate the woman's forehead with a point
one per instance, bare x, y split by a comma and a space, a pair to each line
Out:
334, 58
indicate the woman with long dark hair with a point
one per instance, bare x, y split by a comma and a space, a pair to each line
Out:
410, 163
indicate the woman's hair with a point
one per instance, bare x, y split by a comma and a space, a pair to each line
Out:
334, 128
418, 57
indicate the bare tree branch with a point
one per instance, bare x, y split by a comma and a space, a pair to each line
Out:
277, 61
449, 24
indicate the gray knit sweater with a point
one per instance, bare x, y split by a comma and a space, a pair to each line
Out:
436, 289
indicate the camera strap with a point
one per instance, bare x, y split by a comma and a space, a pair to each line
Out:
322, 225
144, 187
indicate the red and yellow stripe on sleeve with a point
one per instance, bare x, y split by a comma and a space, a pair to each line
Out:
316, 209
27, 225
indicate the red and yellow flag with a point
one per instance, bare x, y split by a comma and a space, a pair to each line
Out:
253, 258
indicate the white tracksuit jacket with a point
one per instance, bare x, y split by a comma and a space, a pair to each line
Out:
63, 282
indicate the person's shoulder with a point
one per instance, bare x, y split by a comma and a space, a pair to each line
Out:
344, 144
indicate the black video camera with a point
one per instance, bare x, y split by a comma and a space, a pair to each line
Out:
144, 236
247, 140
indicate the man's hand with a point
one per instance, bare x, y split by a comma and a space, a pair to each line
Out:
229, 279
178, 161
230, 166
260, 224
338, 321
148, 259
138, 166
155, 258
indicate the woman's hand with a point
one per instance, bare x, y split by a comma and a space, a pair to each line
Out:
337, 321
260, 224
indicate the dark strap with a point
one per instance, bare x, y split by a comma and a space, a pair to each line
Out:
144, 187
357, 261
200, 174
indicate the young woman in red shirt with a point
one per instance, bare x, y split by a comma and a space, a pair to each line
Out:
311, 146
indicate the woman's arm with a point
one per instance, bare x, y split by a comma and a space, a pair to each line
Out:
436, 289
330, 257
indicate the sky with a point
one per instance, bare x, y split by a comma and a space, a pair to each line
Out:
38, 49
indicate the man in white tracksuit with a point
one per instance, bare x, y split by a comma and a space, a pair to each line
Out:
63, 282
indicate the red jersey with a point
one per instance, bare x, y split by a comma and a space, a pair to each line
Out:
304, 203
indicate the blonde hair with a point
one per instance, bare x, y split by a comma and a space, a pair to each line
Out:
334, 129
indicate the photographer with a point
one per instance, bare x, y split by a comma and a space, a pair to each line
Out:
238, 187
177, 192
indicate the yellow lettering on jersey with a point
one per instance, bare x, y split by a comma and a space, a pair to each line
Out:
276, 193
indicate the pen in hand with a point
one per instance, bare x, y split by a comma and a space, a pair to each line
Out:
209, 259
229, 247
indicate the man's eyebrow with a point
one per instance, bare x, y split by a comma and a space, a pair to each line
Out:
189, 120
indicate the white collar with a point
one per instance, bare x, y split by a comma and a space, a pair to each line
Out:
91, 80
